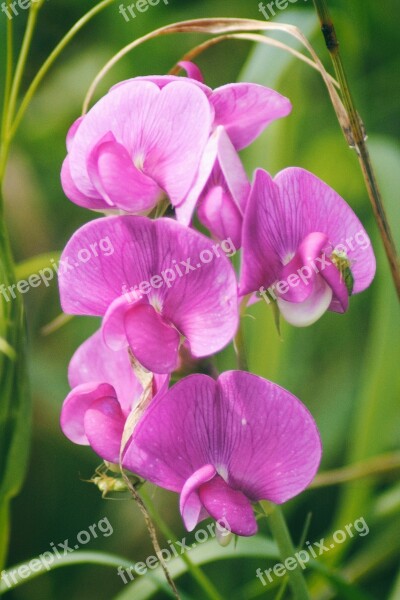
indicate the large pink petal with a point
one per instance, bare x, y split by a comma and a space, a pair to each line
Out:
190, 504
172, 440
245, 109
228, 506
265, 248
276, 449
261, 440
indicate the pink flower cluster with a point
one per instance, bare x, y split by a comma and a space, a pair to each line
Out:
227, 443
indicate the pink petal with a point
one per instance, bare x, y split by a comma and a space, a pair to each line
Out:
77, 403
261, 440
172, 440
320, 208
184, 211
154, 342
246, 109
104, 426
264, 243
229, 506
220, 215
72, 131
117, 179
165, 131
196, 288
94, 361
277, 447
71, 191
192, 70
190, 503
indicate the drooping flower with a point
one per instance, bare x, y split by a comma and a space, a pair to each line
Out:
225, 444
104, 392
163, 285
303, 246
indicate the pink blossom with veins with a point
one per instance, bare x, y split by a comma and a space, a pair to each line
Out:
225, 444
154, 136
196, 304
295, 223
104, 392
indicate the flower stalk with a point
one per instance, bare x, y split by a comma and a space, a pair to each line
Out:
280, 531
359, 141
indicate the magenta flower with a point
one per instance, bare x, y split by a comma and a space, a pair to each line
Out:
105, 390
243, 110
163, 285
303, 246
135, 145
225, 444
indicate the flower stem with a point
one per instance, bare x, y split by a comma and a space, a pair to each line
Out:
359, 141
279, 529
207, 586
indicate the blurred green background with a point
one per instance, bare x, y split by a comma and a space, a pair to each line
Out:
345, 368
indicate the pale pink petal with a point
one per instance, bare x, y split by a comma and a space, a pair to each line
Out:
246, 109
307, 312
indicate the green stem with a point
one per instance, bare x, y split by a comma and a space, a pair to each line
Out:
16, 84
210, 591
52, 58
372, 467
9, 71
359, 141
279, 529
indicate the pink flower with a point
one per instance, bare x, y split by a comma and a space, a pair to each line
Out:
152, 136
163, 285
303, 246
225, 444
135, 145
104, 391
241, 112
